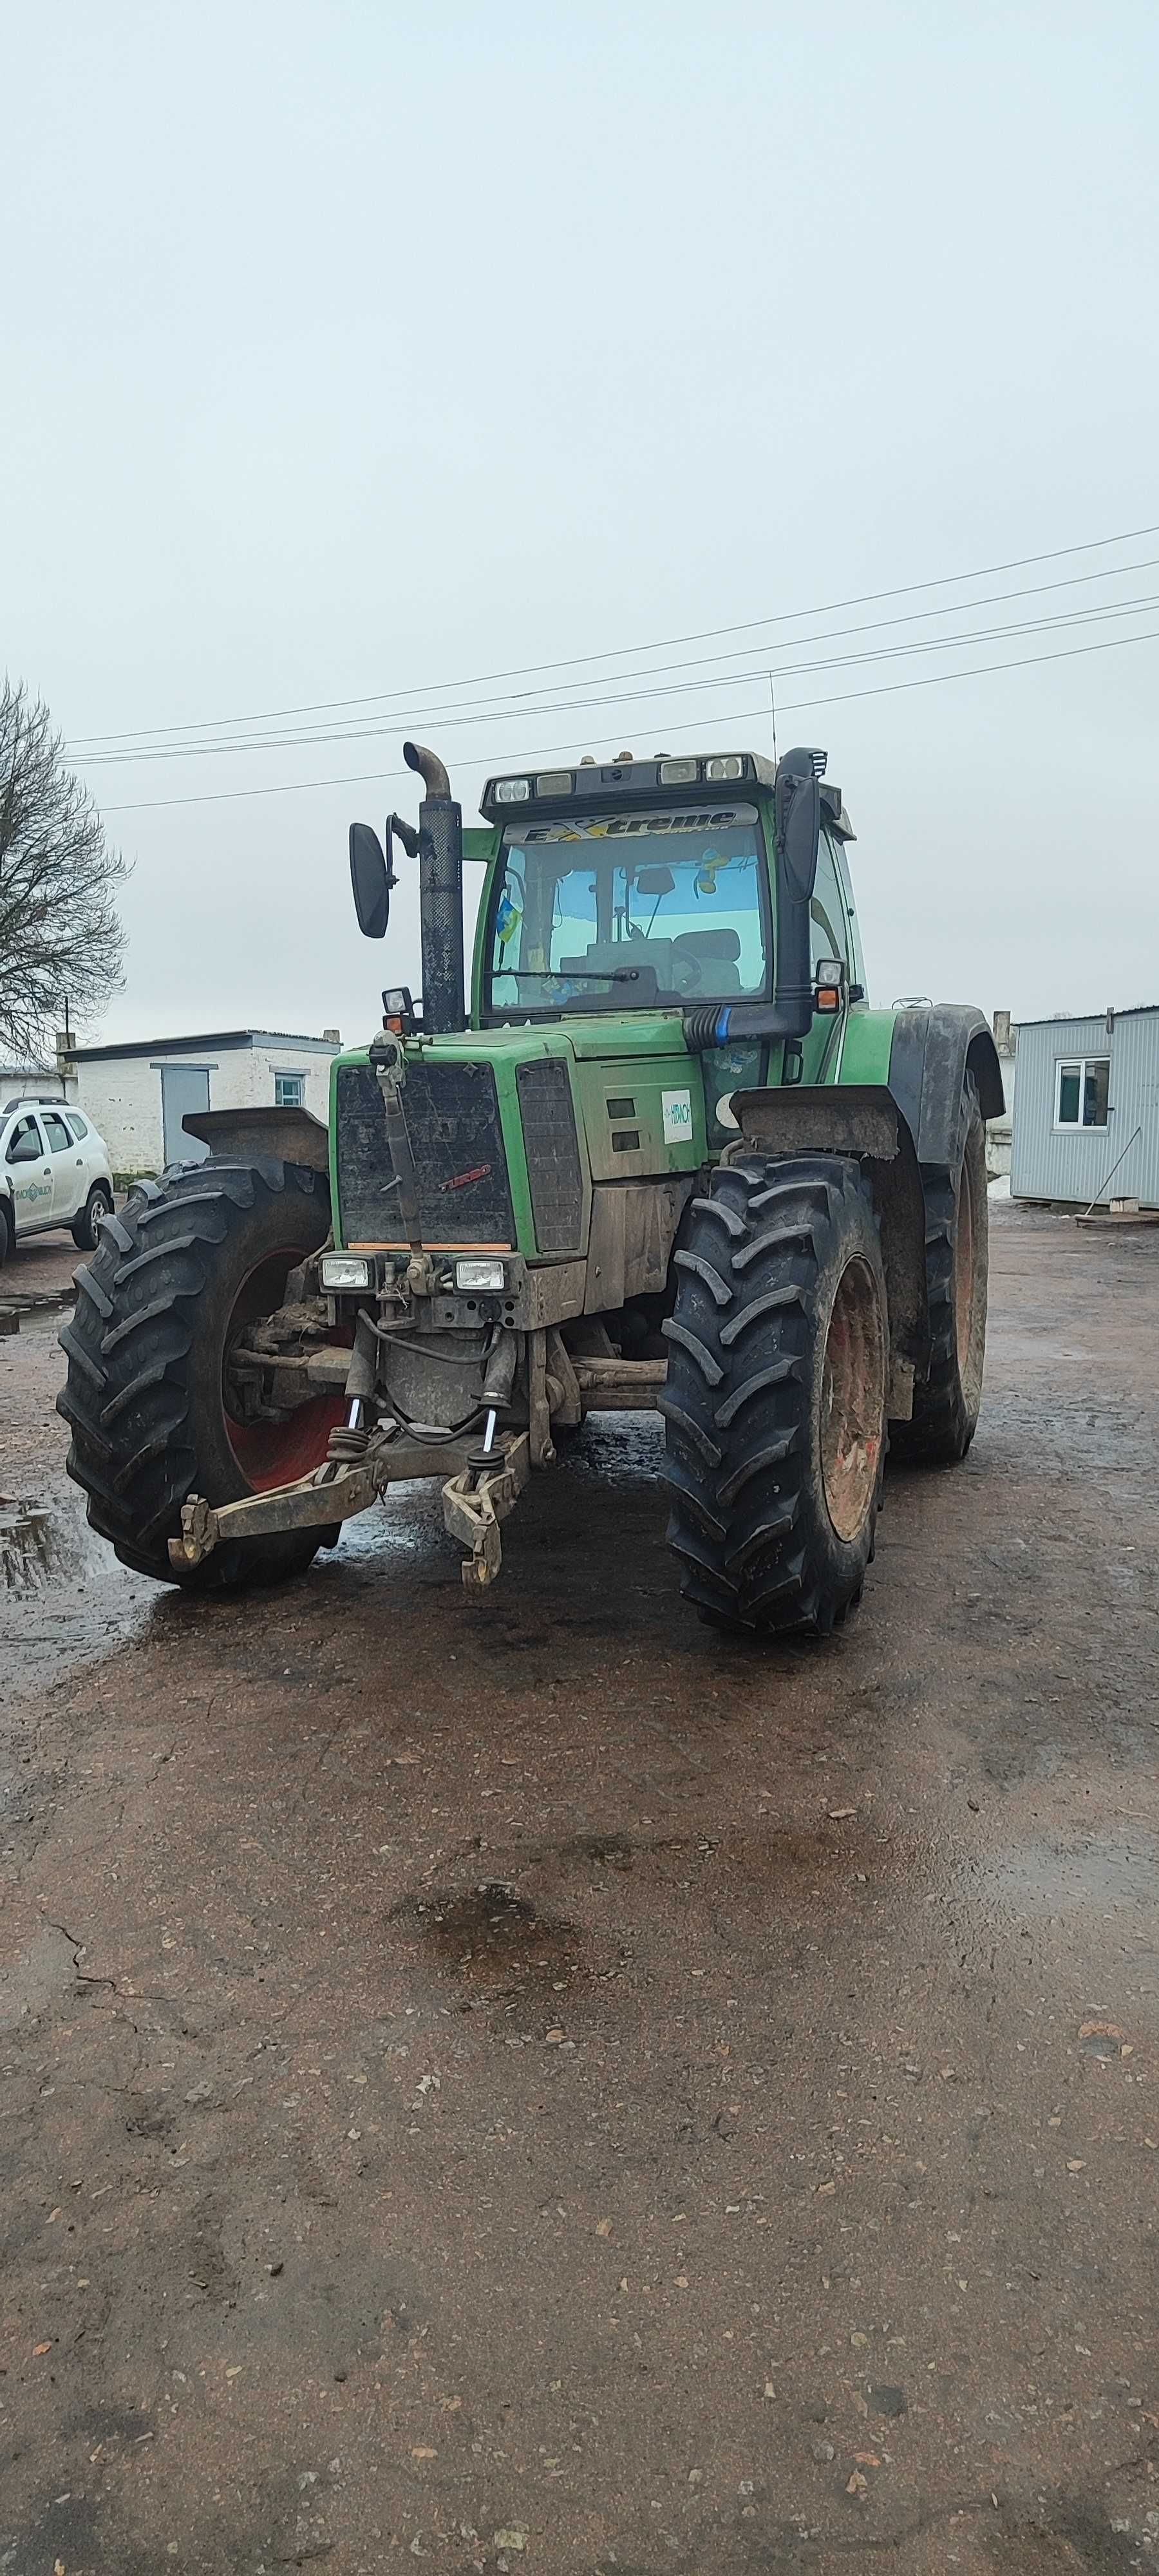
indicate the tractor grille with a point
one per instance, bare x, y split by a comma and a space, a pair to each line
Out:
553, 1163
456, 1139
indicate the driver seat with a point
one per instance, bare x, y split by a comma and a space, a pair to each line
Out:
715, 956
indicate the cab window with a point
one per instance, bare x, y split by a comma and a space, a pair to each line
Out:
856, 951
829, 936
24, 1145
629, 911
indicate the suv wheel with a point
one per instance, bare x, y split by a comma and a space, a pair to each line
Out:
97, 1206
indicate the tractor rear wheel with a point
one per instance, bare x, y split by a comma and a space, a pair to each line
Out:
775, 1401
176, 1279
947, 1399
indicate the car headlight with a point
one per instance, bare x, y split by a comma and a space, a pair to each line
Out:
344, 1270
480, 1274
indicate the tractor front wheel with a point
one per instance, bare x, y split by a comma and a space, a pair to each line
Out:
190, 1263
775, 1401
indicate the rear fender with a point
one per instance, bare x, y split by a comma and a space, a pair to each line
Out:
290, 1135
863, 1120
933, 1051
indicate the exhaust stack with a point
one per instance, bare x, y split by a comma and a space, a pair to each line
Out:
440, 893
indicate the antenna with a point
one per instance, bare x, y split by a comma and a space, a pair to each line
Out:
773, 713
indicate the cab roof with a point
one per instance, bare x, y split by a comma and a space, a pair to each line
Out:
666, 779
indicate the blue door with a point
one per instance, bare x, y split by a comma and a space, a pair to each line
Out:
184, 1090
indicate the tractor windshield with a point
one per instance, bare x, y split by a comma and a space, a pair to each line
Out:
626, 912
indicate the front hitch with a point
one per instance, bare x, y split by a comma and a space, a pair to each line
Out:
332, 1493
476, 1501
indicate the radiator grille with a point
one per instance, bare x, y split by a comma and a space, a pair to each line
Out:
456, 1139
553, 1163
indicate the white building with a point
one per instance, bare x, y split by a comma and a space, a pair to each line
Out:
20, 1080
1086, 1114
138, 1095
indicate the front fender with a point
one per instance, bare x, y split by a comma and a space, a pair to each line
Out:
933, 1049
861, 1119
290, 1135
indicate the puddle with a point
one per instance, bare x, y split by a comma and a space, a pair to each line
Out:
26, 1545
64, 1597
25, 1312
1046, 1879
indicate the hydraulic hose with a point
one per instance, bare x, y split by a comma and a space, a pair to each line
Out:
718, 1024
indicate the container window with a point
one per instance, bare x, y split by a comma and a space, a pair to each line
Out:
1082, 1089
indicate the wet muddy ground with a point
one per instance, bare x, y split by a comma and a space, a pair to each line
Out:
519, 2082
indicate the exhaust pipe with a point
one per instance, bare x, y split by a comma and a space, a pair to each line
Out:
440, 893
429, 767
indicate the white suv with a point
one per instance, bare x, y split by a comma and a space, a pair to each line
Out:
54, 1170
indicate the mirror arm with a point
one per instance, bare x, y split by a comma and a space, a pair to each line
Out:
407, 835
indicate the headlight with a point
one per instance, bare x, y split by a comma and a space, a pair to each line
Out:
480, 1274
554, 782
677, 773
512, 791
729, 764
344, 1270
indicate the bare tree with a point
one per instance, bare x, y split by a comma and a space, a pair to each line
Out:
60, 932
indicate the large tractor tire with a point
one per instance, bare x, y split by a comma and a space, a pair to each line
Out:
947, 1398
775, 1401
177, 1277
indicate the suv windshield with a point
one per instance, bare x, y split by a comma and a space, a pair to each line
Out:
628, 911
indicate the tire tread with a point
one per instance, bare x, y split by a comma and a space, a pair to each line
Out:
741, 1384
127, 1397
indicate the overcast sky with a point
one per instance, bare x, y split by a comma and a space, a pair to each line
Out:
357, 350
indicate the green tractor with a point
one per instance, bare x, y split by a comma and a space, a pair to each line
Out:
670, 1161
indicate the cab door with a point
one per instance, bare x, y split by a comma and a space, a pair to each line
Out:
67, 1166
828, 937
29, 1166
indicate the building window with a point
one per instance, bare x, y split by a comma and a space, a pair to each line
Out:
289, 1091
1081, 1088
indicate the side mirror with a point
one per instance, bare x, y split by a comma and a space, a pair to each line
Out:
802, 837
371, 880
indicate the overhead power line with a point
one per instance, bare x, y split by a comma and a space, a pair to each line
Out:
732, 715
350, 732
452, 720
579, 661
